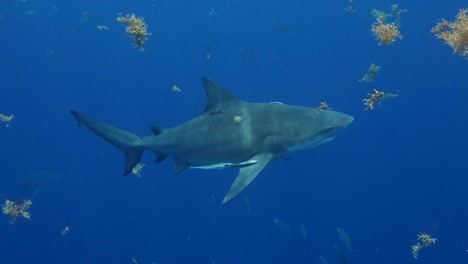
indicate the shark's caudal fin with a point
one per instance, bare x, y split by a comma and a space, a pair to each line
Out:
123, 140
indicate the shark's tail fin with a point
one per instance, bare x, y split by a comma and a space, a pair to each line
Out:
123, 140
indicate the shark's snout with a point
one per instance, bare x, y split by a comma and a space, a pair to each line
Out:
339, 120
346, 120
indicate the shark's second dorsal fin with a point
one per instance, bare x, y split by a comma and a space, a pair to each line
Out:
157, 130
217, 97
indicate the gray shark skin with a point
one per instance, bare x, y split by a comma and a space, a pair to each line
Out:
229, 133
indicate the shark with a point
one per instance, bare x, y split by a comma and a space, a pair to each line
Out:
230, 133
35, 180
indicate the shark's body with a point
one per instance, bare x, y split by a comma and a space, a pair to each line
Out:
230, 133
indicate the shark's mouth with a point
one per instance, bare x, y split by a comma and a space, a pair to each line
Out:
310, 145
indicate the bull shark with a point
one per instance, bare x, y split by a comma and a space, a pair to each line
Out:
230, 133
35, 180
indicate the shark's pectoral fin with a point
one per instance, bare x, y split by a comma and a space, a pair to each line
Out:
247, 174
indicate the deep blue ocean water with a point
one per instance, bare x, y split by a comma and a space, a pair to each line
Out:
397, 171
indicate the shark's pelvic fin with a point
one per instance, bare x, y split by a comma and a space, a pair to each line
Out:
217, 98
247, 174
123, 140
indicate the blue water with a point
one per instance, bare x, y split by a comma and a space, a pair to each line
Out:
397, 171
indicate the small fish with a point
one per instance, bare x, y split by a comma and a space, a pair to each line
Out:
213, 199
213, 13
287, 230
101, 27
176, 89
247, 204
323, 260
341, 254
304, 233
281, 27
65, 230
347, 241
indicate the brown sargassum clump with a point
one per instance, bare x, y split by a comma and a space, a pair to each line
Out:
386, 33
137, 29
454, 34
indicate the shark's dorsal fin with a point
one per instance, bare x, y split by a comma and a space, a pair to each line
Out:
247, 175
217, 97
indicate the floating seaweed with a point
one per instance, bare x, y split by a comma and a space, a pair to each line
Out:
386, 32
371, 74
379, 14
17, 209
137, 29
374, 98
454, 34
6, 119
426, 241
350, 7
378, 97
137, 169
322, 106
397, 11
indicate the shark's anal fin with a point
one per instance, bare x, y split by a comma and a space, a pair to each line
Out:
247, 174
160, 158
179, 165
